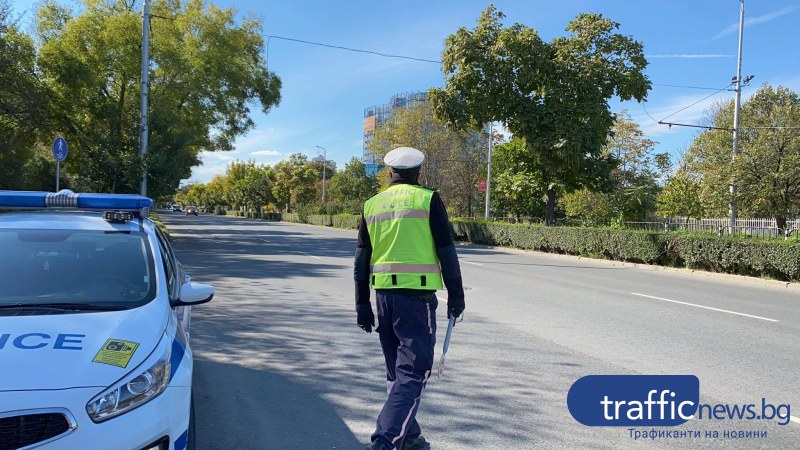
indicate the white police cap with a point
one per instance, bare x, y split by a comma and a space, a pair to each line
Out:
404, 158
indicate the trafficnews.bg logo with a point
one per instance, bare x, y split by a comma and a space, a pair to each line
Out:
656, 400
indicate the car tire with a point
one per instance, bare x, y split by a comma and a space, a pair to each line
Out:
190, 445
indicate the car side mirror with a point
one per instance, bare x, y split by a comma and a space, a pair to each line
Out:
194, 294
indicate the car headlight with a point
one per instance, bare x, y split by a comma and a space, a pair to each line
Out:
141, 385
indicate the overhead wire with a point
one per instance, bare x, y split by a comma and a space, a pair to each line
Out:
340, 47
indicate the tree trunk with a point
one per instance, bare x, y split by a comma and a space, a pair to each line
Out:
550, 218
781, 223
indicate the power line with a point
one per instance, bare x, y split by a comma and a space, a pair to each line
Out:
350, 49
685, 87
701, 100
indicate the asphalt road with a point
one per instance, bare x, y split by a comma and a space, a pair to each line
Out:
280, 363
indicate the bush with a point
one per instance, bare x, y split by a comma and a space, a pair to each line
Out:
349, 221
276, 217
745, 256
633, 246
320, 220
291, 217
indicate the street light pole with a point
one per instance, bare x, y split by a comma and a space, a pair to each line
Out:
324, 167
144, 91
732, 210
489, 170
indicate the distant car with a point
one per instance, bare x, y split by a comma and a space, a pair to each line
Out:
95, 324
191, 210
176, 208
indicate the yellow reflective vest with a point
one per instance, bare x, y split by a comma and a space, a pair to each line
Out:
403, 250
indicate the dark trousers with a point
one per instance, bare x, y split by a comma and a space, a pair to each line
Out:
407, 330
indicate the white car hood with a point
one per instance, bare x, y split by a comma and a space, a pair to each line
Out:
57, 351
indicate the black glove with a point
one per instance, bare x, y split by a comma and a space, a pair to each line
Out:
366, 319
455, 307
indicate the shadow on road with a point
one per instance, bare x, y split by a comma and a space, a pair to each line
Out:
241, 408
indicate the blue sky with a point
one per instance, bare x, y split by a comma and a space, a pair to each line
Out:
326, 90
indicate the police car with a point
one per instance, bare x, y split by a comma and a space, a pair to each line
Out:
94, 326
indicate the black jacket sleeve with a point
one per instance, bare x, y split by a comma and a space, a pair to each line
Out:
361, 270
446, 250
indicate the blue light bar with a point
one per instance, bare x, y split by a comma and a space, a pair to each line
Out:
68, 199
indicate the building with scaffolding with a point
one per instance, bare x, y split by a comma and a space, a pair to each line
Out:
375, 116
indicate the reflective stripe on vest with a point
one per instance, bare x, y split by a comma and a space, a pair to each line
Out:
399, 214
403, 250
406, 268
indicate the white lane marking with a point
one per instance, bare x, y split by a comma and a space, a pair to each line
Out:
794, 419
315, 257
705, 307
473, 263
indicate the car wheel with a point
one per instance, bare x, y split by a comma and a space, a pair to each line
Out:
190, 445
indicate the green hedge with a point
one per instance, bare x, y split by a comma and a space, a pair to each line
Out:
744, 256
349, 221
291, 217
319, 220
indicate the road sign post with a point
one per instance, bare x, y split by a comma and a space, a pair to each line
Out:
59, 153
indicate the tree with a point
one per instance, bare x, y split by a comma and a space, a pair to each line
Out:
680, 196
553, 95
245, 184
294, 181
351, 187
767, 170
24, 106
516, 190
207, 69
632, 187
454, 159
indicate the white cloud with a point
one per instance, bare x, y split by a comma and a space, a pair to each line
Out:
266, 153
688, 56
733, 28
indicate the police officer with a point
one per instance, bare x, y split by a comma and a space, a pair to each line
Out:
404, 251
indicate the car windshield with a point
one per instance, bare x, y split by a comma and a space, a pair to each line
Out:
91, 269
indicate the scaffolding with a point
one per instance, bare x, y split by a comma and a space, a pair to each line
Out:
375, 116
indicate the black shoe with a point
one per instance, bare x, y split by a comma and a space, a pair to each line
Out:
376, 445
417, 444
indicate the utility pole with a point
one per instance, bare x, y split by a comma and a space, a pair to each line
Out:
324, 166
489, 169
145, 87
732, 212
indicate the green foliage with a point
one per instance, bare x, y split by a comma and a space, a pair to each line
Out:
454, 159
773, 258
320, 220
745, 256
767, 170
552, 95
680, 197
24, 108
291, 217
516, 189
245, 184
351, 187
349, 221
636, 246
207, 71
294, 182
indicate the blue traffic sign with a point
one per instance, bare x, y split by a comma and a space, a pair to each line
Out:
60, 148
